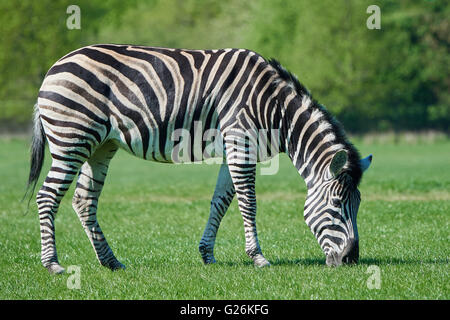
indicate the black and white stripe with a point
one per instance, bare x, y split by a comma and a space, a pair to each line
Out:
100, 98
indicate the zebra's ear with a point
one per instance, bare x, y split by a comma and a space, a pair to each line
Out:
338, 162
365, 163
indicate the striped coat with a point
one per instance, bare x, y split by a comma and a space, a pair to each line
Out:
100, 98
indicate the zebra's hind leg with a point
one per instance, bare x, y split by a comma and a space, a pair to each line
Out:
85, 200
223, 195
55, 185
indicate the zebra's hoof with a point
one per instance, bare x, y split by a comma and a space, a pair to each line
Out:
115, 265
260, 261
55, 268
207, 254
209, 260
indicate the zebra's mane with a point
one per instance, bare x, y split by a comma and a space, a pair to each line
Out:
354, 167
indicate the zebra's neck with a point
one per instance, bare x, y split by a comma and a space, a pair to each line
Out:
311, 137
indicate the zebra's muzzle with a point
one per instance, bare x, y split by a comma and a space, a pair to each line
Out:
349, 255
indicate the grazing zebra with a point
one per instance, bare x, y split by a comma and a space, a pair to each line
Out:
100, 98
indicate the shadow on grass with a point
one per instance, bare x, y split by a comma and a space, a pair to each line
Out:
363, 261
399, 261
234, 263
277, 262
301, 261
321, 262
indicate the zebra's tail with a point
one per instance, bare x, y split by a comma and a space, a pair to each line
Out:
37, 152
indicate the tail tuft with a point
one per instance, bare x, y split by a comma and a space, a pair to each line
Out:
37, 153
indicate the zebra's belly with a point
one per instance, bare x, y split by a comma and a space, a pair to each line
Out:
184, 145
181, 145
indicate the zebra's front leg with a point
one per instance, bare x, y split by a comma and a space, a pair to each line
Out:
243, 177
85, 200
223, 195
241, 158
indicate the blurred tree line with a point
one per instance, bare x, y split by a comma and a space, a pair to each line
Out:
395, 78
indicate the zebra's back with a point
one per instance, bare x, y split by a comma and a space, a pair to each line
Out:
138, 96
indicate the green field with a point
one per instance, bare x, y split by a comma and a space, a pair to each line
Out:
153, 216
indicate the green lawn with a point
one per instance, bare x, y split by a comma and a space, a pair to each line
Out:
153, 216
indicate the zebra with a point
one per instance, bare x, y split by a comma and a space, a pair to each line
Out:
105, 97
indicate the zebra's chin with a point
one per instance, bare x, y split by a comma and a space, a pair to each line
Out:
350, 255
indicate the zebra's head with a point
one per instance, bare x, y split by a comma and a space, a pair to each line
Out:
331, 208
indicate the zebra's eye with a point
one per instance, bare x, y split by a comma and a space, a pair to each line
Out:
336, 202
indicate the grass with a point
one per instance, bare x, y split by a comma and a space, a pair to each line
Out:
153, 216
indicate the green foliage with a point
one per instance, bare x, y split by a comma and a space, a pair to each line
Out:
395, 78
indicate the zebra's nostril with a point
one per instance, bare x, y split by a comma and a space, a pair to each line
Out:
332, 260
